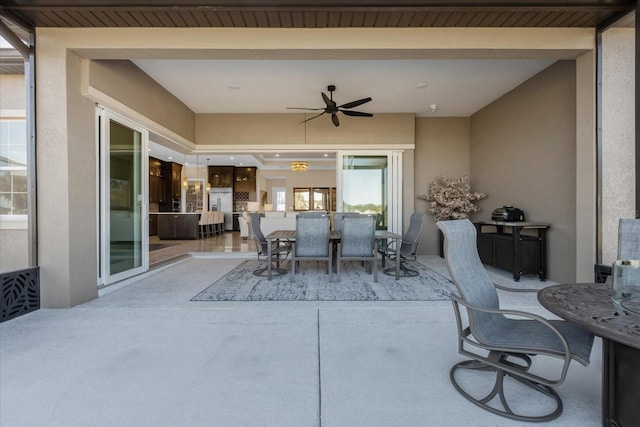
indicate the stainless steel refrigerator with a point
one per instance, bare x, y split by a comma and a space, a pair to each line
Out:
221, 199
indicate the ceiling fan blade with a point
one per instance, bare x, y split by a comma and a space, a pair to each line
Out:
356, 113
301, 108
329, 102
334, 119
355, 103
318, 115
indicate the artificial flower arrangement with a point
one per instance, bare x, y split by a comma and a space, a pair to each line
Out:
451, 198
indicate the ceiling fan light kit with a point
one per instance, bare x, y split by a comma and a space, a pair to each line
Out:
299, 166
333, 108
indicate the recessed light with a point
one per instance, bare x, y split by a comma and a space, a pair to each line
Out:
186, 164
240, 164
170, 158
231, 158
433, 107
421, 85
277, 155
326, 155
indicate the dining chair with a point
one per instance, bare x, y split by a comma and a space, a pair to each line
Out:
203, 224
502, 343
243, 224
408, 247
279, 250
312, 242
312, 213
337, 219
628, 247
357, 242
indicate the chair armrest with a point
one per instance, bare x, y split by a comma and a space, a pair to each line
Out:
383, 248
567, 353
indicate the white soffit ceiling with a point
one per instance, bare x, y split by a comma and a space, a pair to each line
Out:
457, 87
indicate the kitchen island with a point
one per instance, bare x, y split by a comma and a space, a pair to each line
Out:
178, 225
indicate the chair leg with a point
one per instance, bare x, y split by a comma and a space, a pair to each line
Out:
498, 391
404, 270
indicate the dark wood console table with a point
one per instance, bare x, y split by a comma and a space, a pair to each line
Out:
589, 306
517, 252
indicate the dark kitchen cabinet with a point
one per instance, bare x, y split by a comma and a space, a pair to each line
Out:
178, 226
156, 181
153, 224
173, 174
221, 176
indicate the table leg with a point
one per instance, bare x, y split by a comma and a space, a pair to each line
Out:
268, 260
620, 384
398, 260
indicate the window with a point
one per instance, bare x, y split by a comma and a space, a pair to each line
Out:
313, 199
279, 198
301, 198
321, 199
13, 167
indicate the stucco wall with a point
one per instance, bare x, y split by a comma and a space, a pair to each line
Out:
618, 136
523, 153
127, 84
285, 129
442, 148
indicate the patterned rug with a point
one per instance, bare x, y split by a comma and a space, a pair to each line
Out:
312, 284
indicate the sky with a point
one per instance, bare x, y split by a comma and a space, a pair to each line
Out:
361, 186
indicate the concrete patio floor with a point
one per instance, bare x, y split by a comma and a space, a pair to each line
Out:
145, 355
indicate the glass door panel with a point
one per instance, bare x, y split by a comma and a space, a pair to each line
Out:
123, 192
365, 186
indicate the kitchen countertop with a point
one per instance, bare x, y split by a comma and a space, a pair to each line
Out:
175, 213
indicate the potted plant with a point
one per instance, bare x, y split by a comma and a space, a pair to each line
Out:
451, 199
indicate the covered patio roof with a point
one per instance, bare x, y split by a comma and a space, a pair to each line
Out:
29, 14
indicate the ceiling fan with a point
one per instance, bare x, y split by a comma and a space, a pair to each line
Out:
333, 109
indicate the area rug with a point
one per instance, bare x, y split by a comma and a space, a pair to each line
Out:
312, 284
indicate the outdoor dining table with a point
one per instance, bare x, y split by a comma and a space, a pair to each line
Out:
589, 306
334, 236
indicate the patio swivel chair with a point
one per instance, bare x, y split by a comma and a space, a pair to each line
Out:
357, 242
279, 250
408, 247
312, 242
628, 247
500, 346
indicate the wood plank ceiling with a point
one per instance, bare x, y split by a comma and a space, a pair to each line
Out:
22, 16
313, 13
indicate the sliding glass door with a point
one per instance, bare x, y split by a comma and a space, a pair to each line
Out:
123, 195
372, 184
